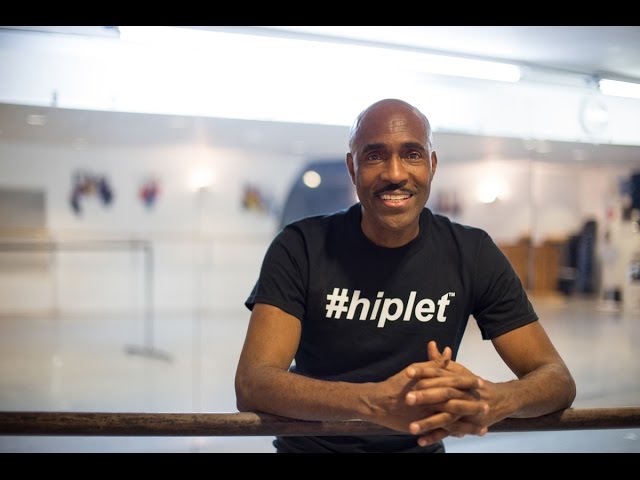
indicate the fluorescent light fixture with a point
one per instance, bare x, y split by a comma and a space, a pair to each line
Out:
168, 36
465, 67
619, 89
322, 55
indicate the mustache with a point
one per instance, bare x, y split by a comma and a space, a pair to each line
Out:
394, 188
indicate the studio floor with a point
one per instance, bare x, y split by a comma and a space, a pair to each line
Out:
82, 364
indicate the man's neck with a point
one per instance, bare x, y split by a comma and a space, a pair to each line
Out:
390, 238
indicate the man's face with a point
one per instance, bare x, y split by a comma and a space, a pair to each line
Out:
391, 166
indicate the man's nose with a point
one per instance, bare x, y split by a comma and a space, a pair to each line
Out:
395, 170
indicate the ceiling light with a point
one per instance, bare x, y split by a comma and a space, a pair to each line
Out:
200, 178
311, 179
619, 89
594, 116
490, 190
465, 67
323, 54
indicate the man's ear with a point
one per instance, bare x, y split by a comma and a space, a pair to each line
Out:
350, 167
434, 163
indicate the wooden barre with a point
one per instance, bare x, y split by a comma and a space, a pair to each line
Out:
261, 424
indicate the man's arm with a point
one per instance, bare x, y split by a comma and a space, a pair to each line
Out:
544, 384
263, 382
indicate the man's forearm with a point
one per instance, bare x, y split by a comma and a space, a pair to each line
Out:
279, 392
547, 389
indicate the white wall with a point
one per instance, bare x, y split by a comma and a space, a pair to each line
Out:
538, 199
506, 219
207, 254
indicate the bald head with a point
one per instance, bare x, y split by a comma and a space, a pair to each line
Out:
391, 162
383, 111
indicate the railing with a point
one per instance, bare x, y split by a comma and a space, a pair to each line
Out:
260, 424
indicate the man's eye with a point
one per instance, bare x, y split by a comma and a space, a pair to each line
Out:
373, 157
415, 156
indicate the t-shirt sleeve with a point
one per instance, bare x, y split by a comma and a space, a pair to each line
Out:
500, 301
283, 275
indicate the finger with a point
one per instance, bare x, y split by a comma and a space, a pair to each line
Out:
441, 359
462, 428
464, 407
428, 370
463, 382
437, 395
458, 368
447, 353
433, 353
440, 433
433, 437
434, 422
448, 412
480, 419
449, 422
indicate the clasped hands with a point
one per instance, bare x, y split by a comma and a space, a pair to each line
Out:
437, 399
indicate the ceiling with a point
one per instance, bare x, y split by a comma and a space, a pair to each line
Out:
598, 51
589, 50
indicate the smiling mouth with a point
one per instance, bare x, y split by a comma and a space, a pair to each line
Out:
395, 197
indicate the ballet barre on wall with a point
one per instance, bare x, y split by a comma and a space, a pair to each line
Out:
147, 348
262, 424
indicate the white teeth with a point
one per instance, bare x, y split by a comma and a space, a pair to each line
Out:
394, 198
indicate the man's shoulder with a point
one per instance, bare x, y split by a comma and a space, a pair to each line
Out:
443, 223
320, 222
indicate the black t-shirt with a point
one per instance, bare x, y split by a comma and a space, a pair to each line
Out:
367, 311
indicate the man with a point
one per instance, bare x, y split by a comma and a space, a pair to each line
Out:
356, 297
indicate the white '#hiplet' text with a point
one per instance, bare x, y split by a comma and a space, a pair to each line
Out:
340, 302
